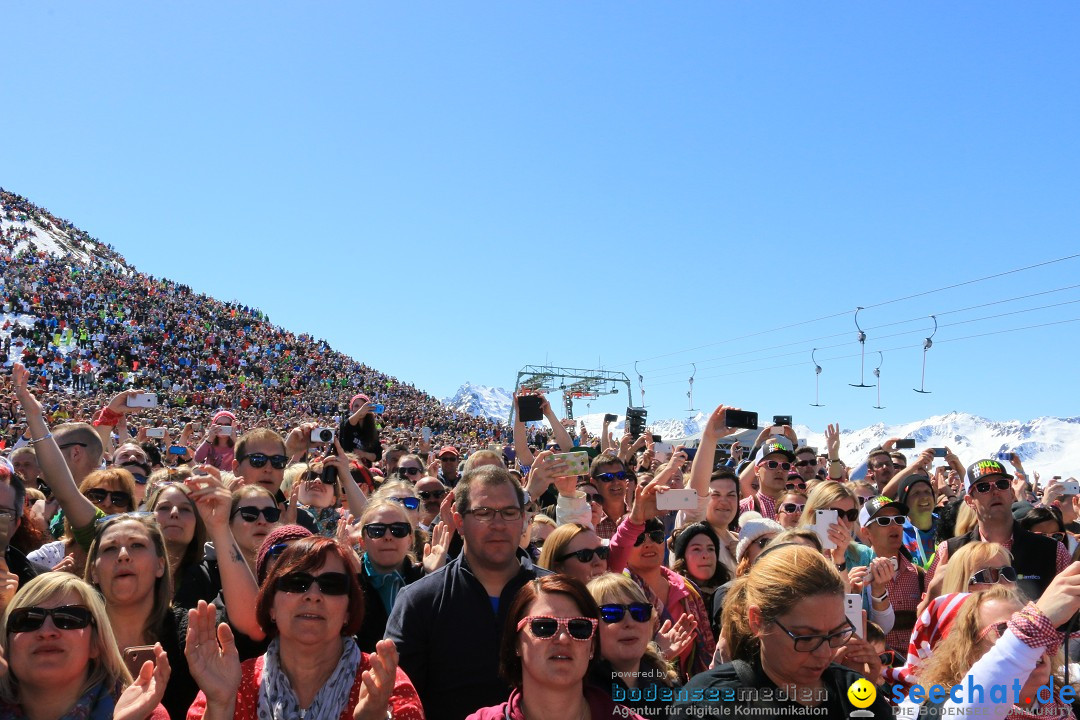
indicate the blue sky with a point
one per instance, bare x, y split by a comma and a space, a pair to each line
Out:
450, 191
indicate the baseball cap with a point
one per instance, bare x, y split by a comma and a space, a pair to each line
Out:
448, 450
777, 444
983, 469
909, 482
873, 506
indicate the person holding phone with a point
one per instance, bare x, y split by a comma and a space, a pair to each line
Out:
217, 448
775, 461
63, 660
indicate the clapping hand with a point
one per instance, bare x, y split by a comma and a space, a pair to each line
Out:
142, 696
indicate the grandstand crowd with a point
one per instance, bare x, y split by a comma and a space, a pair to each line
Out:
206, 516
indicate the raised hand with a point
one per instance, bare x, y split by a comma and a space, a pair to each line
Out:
212, 656
673, 639
140, 698
378, 682
549, 470
832, 440
716, 428
435, 551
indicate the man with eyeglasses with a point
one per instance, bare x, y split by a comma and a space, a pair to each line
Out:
881, 526
988, 491
447, 625
609, 476
772, 468
806, 463
879, 468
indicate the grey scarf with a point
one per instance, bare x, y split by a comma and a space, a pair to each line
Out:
277, 701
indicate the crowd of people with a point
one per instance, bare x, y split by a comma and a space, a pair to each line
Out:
205, 516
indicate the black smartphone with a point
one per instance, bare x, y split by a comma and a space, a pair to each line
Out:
529, 408
740, 419
610, 418
905, 444
657, 438
690, 453
939, 452
780, 420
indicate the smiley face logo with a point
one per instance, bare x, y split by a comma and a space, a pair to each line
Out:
862, 693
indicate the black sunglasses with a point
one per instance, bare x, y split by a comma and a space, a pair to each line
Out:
410, 471
431, 494
608, 477
985, 486
806, 463
68, 617
397, 529
849, 515
116, 497
251, 514
331, 583
258, 460
546, 627
795, 486
586, 555
595, 498
657, 536
612, 613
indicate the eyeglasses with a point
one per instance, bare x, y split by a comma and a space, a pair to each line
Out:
116, 497
612, 613
67, 617
586, 555
397, 529
791, 508
608, 477
657, 536
773, 464
258, 460
410, 471
1059, 536
543, 627
985, 486
250, 513
810, 643
989, 576
331, 583
486, 514
997, 629
882, 466
595, 498
888, 657
806, 463
410, 503
862, 500
795, 486
431, 494
886, 521
898, 466
849, 515
763, 541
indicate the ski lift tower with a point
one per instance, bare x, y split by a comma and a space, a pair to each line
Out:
575, 384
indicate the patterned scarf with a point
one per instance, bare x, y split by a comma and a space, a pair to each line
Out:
277, 701
97, 703
386, 584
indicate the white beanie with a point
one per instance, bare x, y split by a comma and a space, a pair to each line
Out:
752, 526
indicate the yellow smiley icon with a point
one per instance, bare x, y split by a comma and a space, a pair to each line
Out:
862, 693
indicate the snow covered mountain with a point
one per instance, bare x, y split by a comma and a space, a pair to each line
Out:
482, 401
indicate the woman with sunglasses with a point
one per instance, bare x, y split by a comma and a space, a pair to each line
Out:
638, 546
789, 509
1047, 521
111, 491
63, 661
318, 495
978, 566
254, 515
575, 551
847, 553
999, 638
386, 536
404, 494
783, 624
629, 659
548, 644
310, 605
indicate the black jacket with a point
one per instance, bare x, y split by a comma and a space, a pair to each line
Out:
364, 436
375, 613
1034, 557
447, 634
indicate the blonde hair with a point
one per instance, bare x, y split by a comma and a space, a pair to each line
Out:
966, 520
822, 496
969, 558
480, 458
780, 579
107, 667
618, 588
294, 471
376, 505
556, 545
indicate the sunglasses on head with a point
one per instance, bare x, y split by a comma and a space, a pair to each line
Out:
258, 460
545, 628
397, 529
792, 508
68, 617
410, 503
608, 477
773, 464
886, 521
586, 555
431, 494
331, 583
849, 515
612, 613
795, 486
410, 471
116, 497
657, 536
989, 576
985, 486
250, 513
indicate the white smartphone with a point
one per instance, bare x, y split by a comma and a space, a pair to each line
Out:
677, 499
662, 451
425, 434
853, 611
822, 521
142, 400
155, 432
1070, 487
